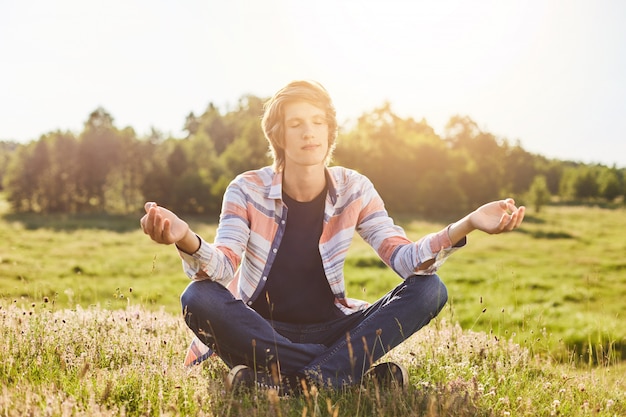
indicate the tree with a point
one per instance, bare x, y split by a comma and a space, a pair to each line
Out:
213, 124
482, 175
122, 189
21, 179
552, 170
192, 124
7, 152
539, 194
37, 179
520, 169
610, 186
191, 190
579, 182
62, 173
409, 164
586, 184
177, 162
99, 153
248, 151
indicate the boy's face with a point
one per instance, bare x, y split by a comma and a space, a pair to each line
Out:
306, 134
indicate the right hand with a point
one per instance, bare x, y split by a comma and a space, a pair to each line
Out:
162, 225
498, 216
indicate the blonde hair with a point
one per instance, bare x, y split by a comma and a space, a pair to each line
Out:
272, 123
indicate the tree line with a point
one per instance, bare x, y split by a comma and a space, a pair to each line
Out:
108, 169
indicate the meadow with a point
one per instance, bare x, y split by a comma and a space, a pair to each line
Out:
90, 324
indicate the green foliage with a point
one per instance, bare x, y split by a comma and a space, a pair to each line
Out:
105, 169
610, 184
482, 169
7, 149
539, 195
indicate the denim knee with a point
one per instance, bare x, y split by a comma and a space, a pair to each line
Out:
197, 296
188, 298
430, 291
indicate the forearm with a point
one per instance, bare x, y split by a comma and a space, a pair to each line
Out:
460, 229
190, 243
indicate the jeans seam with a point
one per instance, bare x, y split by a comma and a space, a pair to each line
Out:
344, 342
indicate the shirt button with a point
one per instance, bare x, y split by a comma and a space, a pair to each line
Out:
282, 222
249, 303
264, 278
274, 250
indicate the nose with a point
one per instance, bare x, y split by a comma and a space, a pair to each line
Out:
308, 132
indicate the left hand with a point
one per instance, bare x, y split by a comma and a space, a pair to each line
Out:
497, 217
162, 225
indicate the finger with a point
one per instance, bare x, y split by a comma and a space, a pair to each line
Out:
509, 205
149, 205
516, 218
165, 234
505, 220
142, 223
149, 222
521, 211
157, 224
512, 222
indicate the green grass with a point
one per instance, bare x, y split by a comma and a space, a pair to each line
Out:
88, 261
99, 362
556, 285
91, 324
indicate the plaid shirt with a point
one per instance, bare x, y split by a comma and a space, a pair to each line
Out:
253, 220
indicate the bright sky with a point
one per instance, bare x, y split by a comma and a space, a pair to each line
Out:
549, 73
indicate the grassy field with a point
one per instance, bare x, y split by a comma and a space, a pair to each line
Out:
534, 326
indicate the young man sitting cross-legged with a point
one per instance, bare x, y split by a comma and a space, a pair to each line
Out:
268, 295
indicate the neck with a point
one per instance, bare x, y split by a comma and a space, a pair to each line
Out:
304, 184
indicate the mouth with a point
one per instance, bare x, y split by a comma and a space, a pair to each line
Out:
310, 147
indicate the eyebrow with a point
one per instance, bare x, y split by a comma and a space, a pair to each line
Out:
297, 118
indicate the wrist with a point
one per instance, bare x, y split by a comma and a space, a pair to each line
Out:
190, 243
460, 229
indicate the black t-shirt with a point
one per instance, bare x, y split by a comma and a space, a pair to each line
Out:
297, 290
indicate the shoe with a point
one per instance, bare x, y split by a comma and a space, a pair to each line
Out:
242, 377
389, 374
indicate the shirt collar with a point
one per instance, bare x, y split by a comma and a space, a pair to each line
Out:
276, 188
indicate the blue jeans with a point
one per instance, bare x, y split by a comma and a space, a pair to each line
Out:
333, 354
